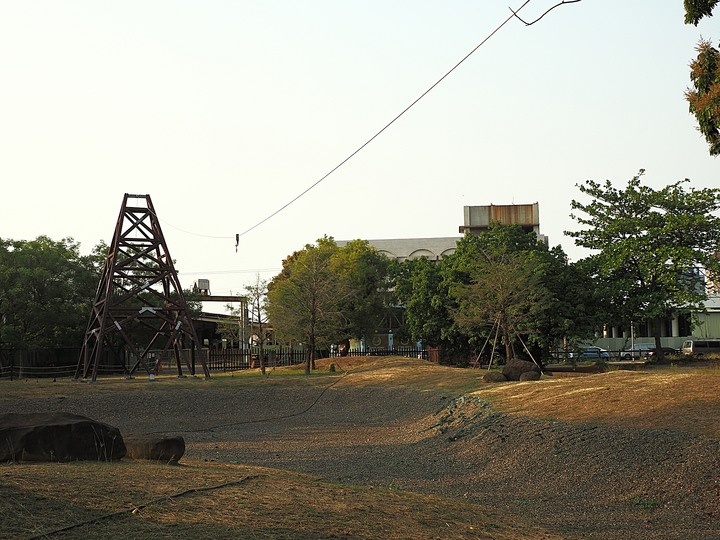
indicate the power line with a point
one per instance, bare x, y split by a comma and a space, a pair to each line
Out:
219, 272
189, 232
386, 126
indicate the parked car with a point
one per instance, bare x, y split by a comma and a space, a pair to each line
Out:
644, 350
589, 351
666, 351
639, 350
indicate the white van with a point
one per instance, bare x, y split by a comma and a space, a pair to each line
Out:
701, 346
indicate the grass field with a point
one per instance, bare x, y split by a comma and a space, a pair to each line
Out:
202, 498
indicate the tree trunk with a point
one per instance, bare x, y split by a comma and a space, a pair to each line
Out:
508, 345
261, 356
659, 353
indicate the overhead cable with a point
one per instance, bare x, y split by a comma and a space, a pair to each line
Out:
386, 126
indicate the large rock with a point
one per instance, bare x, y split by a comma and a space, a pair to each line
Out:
530, 376
57, 436
494, 377
160, 448
516, 367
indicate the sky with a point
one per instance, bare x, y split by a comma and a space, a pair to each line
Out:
225, 111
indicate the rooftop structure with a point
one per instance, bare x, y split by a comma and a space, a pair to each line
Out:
479, 218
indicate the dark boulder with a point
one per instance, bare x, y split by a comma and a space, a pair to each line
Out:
516, 367
160, 448
57, 436
494, 377
530, 376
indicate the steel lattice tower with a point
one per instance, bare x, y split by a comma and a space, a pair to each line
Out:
139, 301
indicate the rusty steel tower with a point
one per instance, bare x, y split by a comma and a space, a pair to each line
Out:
139, 302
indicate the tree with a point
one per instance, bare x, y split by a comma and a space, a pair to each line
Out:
440, 297
46, 290
504, 291
257, 313
697, 9
704, 97
653, 248
305, 301
364, 274
420, 289
578, 308
493, 260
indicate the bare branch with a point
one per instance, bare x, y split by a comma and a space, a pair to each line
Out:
541, 16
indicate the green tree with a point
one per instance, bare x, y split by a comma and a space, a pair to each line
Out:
697, 9
653, 248
461, 270
704, 96
46, 290
363, 272
439, 297
328, 294
305, 301
504, 291
505, 254
420, 289
578, 309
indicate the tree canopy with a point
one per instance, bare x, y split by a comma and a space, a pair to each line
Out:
504, 292
697, 9
46, 290
704, 96
326, 294
652, 248
502, 276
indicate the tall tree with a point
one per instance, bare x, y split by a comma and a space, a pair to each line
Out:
363, 273
505, 291
305, 301
257, 314
440, 297
510, 254
46, 289
652, 248
419, 287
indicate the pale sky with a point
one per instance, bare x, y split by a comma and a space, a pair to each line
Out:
223, 111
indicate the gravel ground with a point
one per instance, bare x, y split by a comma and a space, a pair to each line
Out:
583, 480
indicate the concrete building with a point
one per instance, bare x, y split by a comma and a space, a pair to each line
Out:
476, 219
402, 249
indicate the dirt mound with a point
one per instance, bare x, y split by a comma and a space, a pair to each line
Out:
596, 480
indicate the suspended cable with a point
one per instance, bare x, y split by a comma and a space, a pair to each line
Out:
190, 232
219, 272
386, 126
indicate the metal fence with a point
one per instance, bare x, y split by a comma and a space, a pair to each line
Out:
62, 363
409, 352
48, 363
239, 359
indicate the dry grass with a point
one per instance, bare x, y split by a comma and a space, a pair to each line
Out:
676, 398
203, 500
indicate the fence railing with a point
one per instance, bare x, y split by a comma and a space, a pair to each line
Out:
409, 352
20, 364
